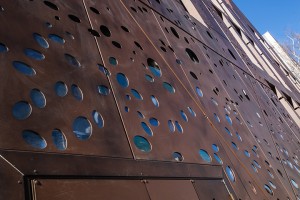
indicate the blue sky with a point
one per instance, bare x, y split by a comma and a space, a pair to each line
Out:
278, 17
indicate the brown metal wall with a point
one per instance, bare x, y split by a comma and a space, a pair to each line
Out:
109, 164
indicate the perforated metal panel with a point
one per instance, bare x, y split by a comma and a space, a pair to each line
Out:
141, 97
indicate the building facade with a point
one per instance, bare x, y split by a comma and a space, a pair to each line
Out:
143, 99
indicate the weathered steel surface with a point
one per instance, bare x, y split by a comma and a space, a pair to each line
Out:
177, 101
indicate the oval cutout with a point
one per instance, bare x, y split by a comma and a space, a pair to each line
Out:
142, 144
61, 89
82, 128
34, 139
205, 156
76, 92
154, 68
102, 89
169, 87
41, 40
72, 60
31, 53
21, 110
38, 98
24, 68
98, 119
56, 38
192, 55
59, 139
122, 80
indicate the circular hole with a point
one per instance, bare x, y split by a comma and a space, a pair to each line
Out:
116, 44
149, 78
125, 29
51, 5
40, 40
122, 80
178, 61
272, 185
48, 25
154, 68
215, 148
199, 92
76, 92
234, 145
34, 139
238, 136
179, 127
154, 121
214, 101
102, 89
256, 164
72, 60
3, 48
138, 45
94, 32
56, 38
192, 55
34, 54
74, 18
205, 156
174, 32
142, 143
105, 31
95, 10
183, 115
103, 70
126, 109
38, 98
140, 115
192, 112
98, 119
294, 183
254, 168
136, 94
147, 129
231, 54
113, 61
132, 8
177, 156
217, 118
154, 101
61, 89
21, 110
24, 68
230, 174
193, 75
70, 35
171, 126
218, 159
228, 119
169, 87
252, 188
82, 128
228, 131
209, 34
59, 139
247, 153
270, 174
268, 189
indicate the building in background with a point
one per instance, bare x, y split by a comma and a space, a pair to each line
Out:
144, 99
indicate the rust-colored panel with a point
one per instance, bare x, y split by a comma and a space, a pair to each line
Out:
90, 189
171, 189
20, 23
211, 189
11, 181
